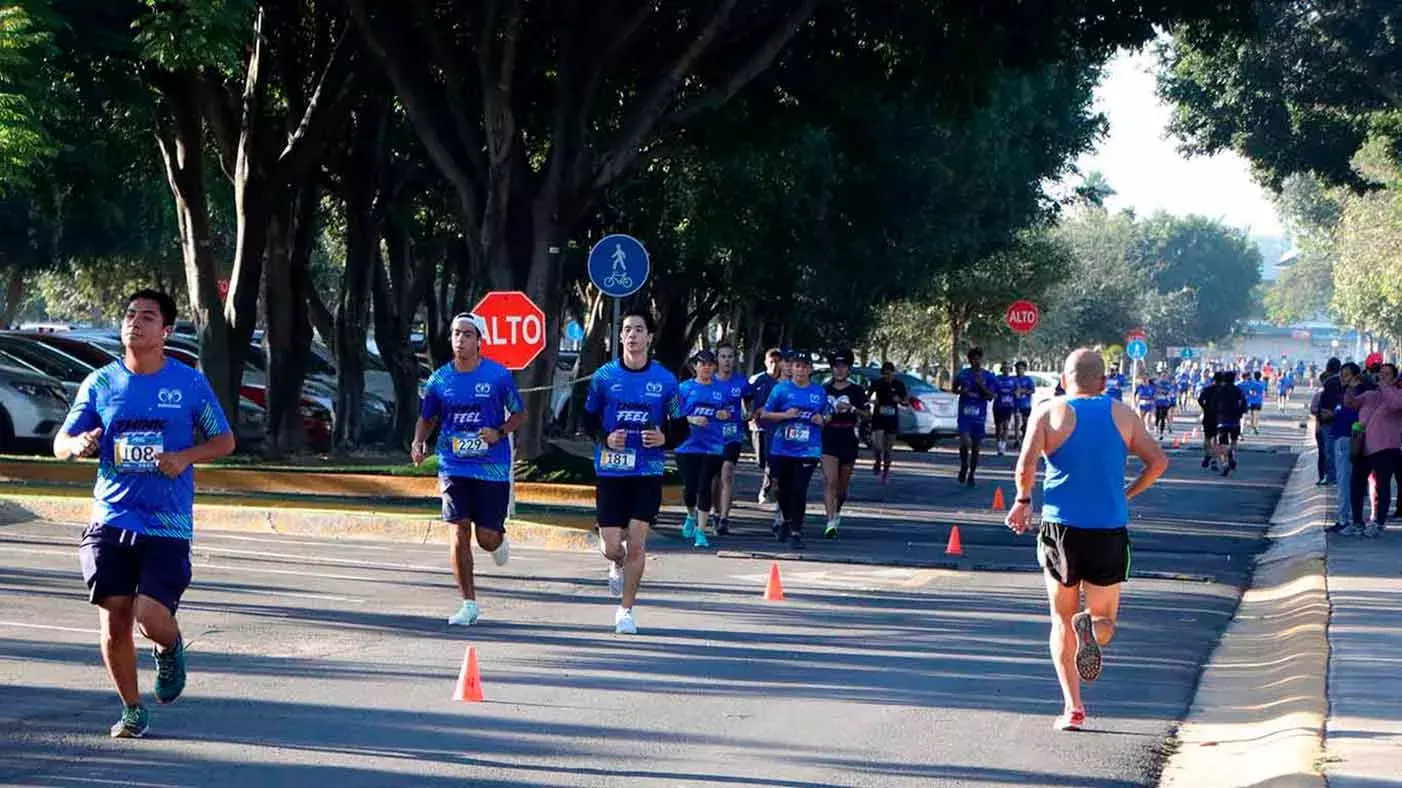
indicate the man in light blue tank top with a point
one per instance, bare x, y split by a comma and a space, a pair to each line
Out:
1083, 543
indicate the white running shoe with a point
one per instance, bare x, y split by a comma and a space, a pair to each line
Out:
623, 623
615, 579
1372, 530
466, 616
1351, 530
502, 554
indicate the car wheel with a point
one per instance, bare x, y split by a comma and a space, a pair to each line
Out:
7, 433
920, 444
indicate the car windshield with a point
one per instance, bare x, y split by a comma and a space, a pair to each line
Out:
45, 359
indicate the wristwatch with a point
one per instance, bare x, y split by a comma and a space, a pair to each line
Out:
1024, 500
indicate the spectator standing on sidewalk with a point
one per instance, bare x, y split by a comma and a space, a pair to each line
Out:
1380, 420
1324, 459
1350, 378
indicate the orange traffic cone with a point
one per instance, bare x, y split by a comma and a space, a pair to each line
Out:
469, 680
998, 503
774, 589
1177, 442
955, 546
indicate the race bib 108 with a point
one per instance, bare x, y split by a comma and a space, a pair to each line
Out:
137, 452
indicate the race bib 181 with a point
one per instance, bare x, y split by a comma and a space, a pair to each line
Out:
625, 460
137, 452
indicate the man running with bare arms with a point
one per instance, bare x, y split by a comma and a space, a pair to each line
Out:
1083, 544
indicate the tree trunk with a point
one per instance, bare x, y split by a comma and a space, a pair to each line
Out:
289, 331
14, 295
400, 285
956, 338
181, 139
597, 322
358, 279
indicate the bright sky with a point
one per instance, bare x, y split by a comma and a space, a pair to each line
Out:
1145, 169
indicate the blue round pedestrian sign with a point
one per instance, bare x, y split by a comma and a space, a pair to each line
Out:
1137, 349
574, 332
1186, 354
618, 265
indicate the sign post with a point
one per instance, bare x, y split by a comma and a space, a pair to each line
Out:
618, 266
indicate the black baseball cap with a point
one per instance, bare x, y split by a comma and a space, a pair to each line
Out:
788, 353
843, 357
703, 356
888, 367
801, 357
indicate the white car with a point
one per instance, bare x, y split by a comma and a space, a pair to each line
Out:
931, 414
32, 407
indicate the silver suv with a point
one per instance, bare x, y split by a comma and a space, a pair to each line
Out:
32, 408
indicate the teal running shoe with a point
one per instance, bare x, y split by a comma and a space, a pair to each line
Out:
170, 672
689, 527
133, 723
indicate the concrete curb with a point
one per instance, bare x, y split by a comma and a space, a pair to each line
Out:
565, 533
1258, 715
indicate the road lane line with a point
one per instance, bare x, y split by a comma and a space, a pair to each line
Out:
51, 627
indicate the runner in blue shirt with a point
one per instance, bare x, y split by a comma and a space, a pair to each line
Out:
1165, 398
634, 412
1144, 400
760, 386
149, 420
705, 402
475, 401
1004, 405
1185, 388
1284, 387
1115, 384
738, 392
799, 410
1255, 389
975, 387
1026, 390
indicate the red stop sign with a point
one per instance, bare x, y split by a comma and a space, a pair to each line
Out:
1023, 316
515, 328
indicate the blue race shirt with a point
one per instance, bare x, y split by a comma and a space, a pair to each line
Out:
1184, 383
797, 437
1144, 393
1164, 396
1026, 387
1085, 481
1256, 392
142, 417
704, 399
1004, 392
737, 390
467, 403
1115, 385
971, 401
634, 400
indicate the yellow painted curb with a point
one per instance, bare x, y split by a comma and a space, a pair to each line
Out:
564, 532
215, 479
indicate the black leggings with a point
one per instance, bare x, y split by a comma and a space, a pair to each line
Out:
1380, 466
698, 474
793, 474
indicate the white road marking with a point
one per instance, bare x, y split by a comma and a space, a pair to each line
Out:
50, 627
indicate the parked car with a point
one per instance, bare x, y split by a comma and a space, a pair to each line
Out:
32, 408
317, 418
931, 414
45, 359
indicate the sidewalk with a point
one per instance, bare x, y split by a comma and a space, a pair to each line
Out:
1363, 736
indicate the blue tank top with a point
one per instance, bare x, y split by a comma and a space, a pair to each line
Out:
1085, 482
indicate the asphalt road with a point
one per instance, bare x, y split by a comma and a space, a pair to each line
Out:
318, 662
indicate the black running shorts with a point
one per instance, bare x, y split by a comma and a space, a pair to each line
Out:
732, 452
841, 444
1073, 555
622, 499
